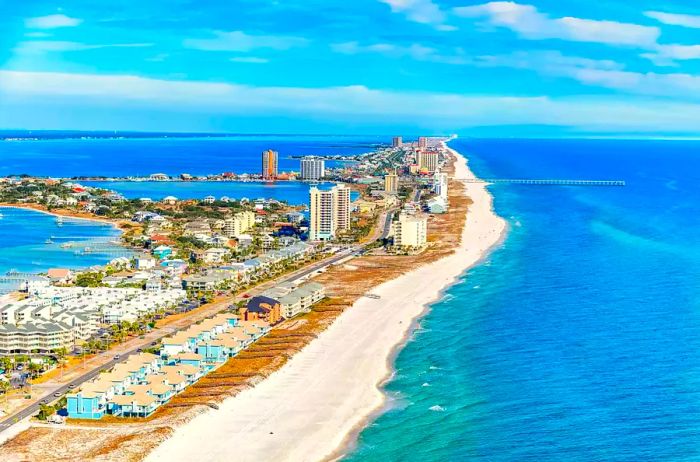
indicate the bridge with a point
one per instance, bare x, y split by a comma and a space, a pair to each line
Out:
544, 182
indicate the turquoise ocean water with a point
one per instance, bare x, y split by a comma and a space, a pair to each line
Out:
579, 338
25, 246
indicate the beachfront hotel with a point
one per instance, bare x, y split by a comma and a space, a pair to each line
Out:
411, 231
329, 212
428, 161
440, 181
296, 300
312, 168
269, 164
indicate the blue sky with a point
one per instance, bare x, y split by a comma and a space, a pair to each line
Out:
540, 68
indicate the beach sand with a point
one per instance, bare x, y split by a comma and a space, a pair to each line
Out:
312, 408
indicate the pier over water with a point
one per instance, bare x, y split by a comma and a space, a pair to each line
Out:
544, 182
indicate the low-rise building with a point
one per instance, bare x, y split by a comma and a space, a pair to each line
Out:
296, 300
261, 308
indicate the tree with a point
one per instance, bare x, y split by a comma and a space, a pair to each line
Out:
45, 411
6, 364
34, 369
4, 387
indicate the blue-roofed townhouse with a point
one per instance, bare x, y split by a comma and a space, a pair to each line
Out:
90, 402
191, 358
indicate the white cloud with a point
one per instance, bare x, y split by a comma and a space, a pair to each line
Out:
37, 34
415, 51
532, 24
249, 59
600, 73
668, 55
545, 62
52, 21
440, 111
36, 47
674, 19
241, 41
421, 11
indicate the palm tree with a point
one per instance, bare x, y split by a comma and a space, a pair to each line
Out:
5, 387
6, 364
34, 369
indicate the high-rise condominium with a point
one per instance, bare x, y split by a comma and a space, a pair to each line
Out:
269, 164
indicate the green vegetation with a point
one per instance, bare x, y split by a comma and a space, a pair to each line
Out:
89, 279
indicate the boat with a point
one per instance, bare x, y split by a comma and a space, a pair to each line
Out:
59, 221
48, 241
66, 245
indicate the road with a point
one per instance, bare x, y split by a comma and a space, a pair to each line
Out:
133, 346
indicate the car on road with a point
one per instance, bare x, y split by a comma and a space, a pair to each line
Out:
246, 295
71, 386
57, 394
116, 357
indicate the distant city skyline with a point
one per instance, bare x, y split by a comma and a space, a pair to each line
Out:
530, 68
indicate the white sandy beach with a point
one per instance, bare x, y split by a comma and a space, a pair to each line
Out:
308, 409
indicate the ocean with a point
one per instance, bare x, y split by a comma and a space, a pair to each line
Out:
195, 155
576, 340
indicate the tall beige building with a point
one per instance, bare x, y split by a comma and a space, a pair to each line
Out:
239, 224
329, 212
391, 183
396, 142
428, 160
269, 164
411, 230
422, 142
341, 207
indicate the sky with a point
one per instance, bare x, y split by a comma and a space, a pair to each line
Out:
530, 68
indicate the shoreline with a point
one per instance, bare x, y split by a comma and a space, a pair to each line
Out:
66, 214
351, 439
326, 402
113, 224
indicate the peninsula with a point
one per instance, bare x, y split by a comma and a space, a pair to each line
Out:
332, 356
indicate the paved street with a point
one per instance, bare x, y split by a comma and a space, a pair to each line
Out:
106, 360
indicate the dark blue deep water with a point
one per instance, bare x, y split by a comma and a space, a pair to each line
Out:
579, 338
173, 156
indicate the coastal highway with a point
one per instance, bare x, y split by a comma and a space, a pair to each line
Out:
155, 336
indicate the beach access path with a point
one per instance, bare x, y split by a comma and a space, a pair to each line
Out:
313, 407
